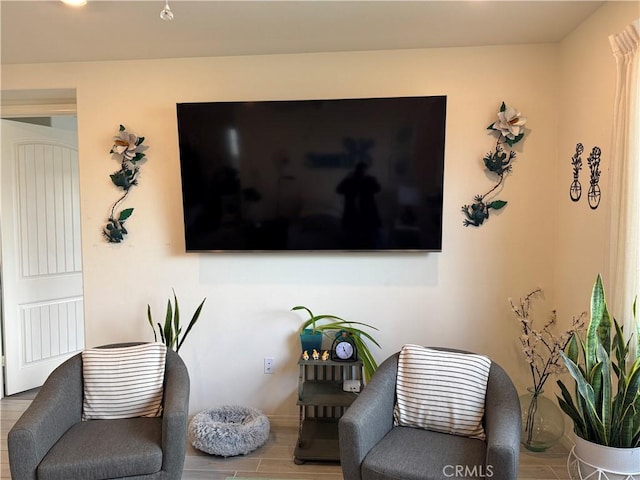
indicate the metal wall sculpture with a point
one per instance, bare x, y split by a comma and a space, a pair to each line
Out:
575, 190
510, 130
594, 193
128, 150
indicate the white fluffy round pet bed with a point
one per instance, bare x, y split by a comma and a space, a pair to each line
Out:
229, 430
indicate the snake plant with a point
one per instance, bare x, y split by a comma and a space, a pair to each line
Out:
170, 332
604, 410
358, 335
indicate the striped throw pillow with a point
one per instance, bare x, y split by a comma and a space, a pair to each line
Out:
441, 391
123, 382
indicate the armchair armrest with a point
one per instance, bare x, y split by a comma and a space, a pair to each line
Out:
368, 419
56, 408
502, 425
174, 416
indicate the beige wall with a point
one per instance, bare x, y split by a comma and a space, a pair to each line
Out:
455, 298
587, 83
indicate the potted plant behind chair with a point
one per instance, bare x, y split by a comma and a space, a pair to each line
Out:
312, 331
606, 426
170, 332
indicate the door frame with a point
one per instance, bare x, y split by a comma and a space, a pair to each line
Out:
22, 104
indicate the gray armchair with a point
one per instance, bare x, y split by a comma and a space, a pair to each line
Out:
50, 442
371, 448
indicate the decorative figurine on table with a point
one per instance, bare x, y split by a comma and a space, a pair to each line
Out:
325, 356
315, 354
305, 355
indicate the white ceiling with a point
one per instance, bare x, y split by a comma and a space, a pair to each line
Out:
48, 31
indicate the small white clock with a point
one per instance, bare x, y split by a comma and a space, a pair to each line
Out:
344, 348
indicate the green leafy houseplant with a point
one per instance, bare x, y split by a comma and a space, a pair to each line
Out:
170, 332
317, 324
598, 415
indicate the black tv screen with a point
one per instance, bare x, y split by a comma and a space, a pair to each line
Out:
338, 175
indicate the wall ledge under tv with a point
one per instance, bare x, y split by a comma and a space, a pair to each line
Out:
315, 268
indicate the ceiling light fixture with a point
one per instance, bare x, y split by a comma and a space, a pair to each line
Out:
75, 3
166, 14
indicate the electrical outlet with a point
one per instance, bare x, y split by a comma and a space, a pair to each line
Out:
268, 364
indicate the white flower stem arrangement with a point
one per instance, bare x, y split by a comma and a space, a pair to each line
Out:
510, 130
542, 349
128, 150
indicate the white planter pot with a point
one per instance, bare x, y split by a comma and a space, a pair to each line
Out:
592, 461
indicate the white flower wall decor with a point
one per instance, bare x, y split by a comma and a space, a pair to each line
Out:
128, 149
510, 130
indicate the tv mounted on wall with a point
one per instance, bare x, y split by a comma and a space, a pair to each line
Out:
360, 174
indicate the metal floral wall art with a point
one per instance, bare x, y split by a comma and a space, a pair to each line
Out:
594, 194
128, 150
510, 130
575, 190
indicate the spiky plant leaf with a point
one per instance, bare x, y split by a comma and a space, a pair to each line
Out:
604, 397
597, 312
572, 350
176, 317
193, 321
168, 327
155, 337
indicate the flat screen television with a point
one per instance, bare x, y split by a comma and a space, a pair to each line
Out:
361, 174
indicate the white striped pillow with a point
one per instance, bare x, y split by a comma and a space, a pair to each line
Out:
441, 391
123, 382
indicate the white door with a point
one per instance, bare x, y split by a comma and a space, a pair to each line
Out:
42, 303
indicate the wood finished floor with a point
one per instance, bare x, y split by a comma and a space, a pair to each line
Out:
275, 458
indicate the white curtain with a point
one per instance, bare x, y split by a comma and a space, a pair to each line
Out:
624, 260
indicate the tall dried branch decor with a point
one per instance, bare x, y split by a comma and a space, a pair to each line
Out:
542, 349
510, 130
128, 150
